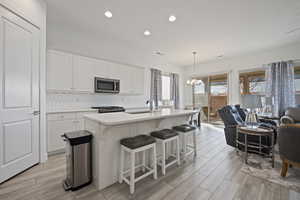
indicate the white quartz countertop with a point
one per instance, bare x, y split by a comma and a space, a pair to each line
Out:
68, 110
118, 118
85, 109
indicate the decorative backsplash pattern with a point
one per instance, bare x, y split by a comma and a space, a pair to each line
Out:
68, 101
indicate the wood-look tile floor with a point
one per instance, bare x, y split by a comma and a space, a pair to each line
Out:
214, 174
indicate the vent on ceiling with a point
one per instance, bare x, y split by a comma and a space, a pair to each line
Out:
293, 30
159, 53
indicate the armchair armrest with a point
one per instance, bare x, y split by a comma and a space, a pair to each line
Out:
287, 120
289, 141
290, 126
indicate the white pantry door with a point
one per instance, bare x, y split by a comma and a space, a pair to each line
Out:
19, 95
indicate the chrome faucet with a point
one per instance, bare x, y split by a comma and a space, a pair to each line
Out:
148, 103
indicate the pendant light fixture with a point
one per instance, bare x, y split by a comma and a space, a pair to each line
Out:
193, 81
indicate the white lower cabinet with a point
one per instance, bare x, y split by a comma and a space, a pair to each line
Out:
60, 123
55, 130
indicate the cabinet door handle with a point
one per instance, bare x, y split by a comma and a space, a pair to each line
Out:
36, 112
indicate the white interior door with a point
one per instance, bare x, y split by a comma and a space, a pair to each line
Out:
19, 95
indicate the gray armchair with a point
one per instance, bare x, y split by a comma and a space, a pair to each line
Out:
289, 139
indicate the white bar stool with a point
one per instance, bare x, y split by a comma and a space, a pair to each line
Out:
164, 137
133, 145
185, 131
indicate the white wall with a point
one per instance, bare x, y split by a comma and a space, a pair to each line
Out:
239, 63
35, 12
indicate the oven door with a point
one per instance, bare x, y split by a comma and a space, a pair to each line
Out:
104, 85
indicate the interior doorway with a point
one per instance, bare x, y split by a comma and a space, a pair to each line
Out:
210, 95
19, 95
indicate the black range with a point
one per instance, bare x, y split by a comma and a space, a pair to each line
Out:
109, 109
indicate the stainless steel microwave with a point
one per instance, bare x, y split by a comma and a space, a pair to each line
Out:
105, 85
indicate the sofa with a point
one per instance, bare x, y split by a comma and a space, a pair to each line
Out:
289, 139
233, 116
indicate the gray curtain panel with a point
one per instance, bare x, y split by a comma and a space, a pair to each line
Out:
175, 89
155, 88
280, 86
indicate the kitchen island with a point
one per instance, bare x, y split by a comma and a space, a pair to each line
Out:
109, 128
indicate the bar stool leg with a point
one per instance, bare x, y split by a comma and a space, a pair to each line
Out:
163, 158
168, 149
195, 143
154, 162
178, 151
144, 161
184, 146
121, 165
132, 172
172, 147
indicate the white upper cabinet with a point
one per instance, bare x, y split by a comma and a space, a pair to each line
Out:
67, 72
84, 73
138, 80
101, 69
125, 79
131, 79
59, 71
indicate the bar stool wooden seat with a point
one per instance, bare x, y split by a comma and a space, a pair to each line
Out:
133, 145
185, 130
164, 137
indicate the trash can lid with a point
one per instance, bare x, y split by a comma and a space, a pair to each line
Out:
78, 137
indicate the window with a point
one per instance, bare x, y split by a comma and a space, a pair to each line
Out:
199, 89
242, 85
252, 86
257, 85
218, 85
252, 82
218, 88
297, 79
297, 82
166, 90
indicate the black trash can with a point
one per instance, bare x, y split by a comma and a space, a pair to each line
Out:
78, 159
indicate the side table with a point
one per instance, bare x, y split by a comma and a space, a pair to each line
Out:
255, 147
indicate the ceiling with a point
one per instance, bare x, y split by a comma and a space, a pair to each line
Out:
210, 27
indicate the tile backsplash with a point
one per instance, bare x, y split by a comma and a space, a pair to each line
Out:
65, 101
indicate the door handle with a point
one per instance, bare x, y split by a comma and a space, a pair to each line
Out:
36, 112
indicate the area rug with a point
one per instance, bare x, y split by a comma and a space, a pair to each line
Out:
261, 168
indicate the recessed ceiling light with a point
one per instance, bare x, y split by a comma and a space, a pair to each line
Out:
172, 18
147, 32
108, 14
